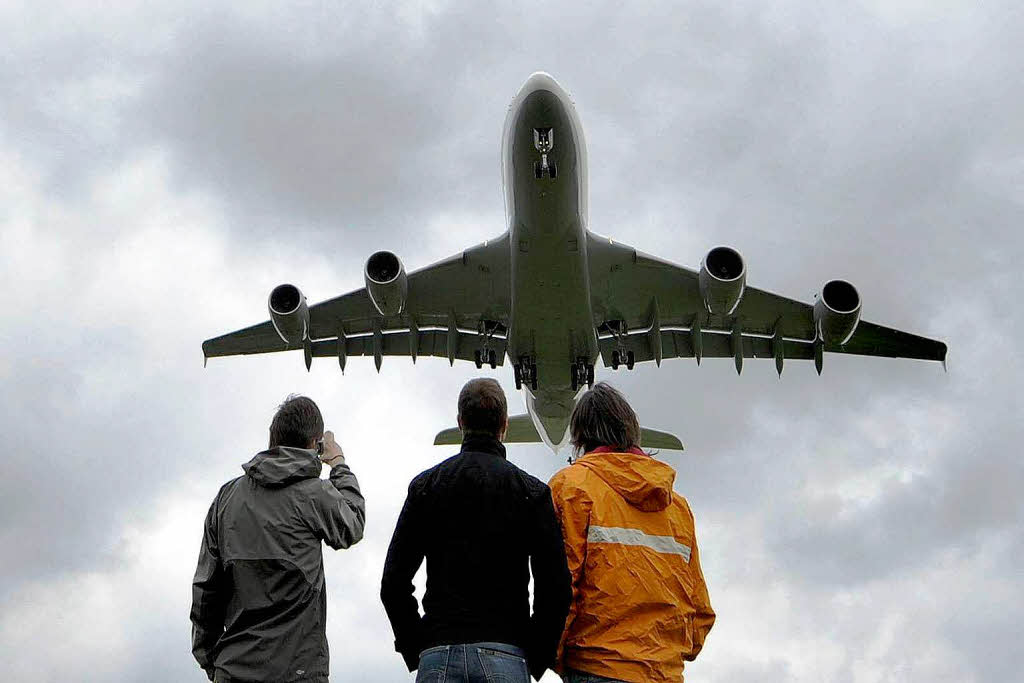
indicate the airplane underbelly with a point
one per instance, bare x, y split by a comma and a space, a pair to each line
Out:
551, 317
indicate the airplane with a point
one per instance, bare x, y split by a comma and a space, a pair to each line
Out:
553, 297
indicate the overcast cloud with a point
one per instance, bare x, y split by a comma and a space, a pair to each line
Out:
162, 169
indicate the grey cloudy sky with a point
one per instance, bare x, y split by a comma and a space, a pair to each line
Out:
161, 169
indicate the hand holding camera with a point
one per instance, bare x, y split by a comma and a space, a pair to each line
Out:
329, 450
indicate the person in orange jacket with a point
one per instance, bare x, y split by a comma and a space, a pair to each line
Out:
640, 605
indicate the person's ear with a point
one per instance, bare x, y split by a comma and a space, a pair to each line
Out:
458, 420
504, 430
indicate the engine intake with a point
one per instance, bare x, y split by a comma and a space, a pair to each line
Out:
837, 312
386, 283
289, 314
723, 276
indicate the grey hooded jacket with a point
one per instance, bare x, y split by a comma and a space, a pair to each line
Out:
259, 604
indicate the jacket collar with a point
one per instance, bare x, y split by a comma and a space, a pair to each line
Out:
615, 449
478, 443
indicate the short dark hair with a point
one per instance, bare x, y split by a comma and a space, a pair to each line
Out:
603, 417
482, 407
296, 423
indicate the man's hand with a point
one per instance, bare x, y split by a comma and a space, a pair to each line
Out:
332, 454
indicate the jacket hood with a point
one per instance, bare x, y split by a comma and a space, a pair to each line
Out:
644, 482
282, 465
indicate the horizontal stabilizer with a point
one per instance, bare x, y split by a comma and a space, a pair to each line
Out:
520, 430
653, 438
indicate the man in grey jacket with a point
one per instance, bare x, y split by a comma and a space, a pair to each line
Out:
259, 604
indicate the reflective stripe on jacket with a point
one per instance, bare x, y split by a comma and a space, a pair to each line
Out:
640, 604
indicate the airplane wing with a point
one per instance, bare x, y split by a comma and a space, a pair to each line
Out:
454, 308
653, 309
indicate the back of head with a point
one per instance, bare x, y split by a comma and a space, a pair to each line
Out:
603, 417
483, 410
297, 423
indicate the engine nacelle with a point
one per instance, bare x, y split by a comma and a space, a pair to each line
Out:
289, 314
386, 283
837, 312
723, 275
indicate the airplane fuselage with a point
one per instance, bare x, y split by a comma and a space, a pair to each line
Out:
551, 330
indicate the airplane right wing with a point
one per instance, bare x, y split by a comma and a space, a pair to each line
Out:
647, 309
455, 309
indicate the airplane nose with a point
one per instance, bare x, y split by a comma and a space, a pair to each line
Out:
541, 80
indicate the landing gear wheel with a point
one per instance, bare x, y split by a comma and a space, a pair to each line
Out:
477, 359
552, 170
590, 376
492, 358
616, 359
533, 376
538, 170
517, 372
630, 360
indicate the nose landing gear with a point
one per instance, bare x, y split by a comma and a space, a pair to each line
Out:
543, 141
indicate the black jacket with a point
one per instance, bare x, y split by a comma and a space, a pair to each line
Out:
482, 524
259, 606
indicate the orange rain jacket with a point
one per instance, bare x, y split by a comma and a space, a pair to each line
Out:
640, 604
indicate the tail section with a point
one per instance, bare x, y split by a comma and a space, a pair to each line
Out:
522, 430
653, 438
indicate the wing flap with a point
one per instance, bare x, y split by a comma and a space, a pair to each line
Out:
430, 342
679, 344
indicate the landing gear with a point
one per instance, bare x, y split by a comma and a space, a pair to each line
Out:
489, 356
525, 372
582, 373
541, 169
618, 357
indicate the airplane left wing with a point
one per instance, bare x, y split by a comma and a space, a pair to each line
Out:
453, 309
646, 308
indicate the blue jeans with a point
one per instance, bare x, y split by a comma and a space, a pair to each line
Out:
573, 676
473, 663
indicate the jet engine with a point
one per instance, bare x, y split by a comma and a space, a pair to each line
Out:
837, 312
386, 283
723, 275
289, 314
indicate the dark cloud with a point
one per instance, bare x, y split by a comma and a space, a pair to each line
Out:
161, 170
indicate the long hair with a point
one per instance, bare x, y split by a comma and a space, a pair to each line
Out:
603, 417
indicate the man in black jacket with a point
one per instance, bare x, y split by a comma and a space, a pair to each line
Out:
482, 524
259, 604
